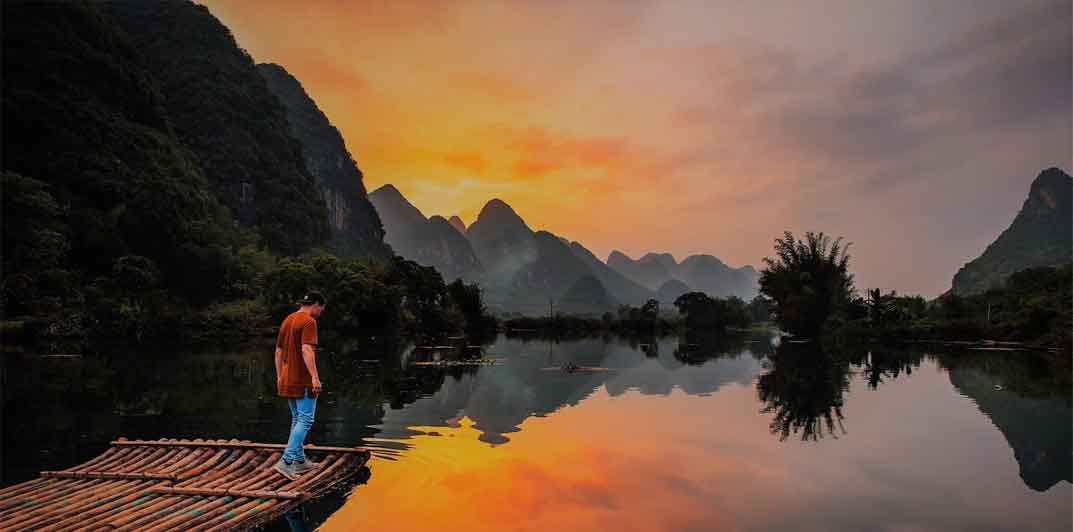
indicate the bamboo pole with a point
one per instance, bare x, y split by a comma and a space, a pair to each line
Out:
220, 492
238, 445
133, 475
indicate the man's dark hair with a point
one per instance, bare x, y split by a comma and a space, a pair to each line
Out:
313, 298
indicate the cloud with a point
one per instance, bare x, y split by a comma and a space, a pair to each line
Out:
913, 118
329, 74
469, 160
498, 86
538, 151
734, 121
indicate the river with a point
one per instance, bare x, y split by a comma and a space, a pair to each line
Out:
741, 433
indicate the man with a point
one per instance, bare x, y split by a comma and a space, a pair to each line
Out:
297, 380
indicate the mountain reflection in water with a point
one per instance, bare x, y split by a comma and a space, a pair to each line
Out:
669, 434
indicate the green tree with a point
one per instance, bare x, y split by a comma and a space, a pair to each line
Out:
34, 245
881, 307
424, 294
470, 303
650, 309
759, 309
359, 296
130, 302
701, 312
807, 281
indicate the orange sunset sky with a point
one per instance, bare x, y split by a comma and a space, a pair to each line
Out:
911, 128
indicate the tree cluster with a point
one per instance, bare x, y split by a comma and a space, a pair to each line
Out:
701, 312
811, 293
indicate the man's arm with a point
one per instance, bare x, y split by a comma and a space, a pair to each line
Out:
279, 365
310, 358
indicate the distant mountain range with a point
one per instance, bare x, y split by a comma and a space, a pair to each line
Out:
703, 273
429, 241
529, 271
1041, 235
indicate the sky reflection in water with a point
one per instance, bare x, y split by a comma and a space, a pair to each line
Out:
659, 444
735, 434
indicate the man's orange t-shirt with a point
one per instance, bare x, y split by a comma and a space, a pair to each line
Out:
299, 328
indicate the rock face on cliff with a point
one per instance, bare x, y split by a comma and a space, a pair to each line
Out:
431, 242
622, 288
355, 227
651, 270
457, 223
703, 273
709, 275
525, 268
671, 290
222, 110
587, 295
450, 250
552, 271
502, 241
1041, 235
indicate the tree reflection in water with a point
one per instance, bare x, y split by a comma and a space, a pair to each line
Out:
697, 349
804, 387
879, 365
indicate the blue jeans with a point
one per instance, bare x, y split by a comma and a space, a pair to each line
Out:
302, 410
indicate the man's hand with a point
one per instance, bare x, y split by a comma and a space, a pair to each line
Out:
310, 358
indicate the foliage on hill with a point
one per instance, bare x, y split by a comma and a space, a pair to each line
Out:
222, 110
93, 172
356, 229
1040, 235
1033, 306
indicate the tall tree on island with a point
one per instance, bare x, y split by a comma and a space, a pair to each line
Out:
807, 281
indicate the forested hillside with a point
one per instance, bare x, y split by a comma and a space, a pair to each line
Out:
222, 110
98, 190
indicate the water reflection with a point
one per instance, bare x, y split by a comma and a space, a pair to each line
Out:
500, 397
1031, 413
803, 390
693, 415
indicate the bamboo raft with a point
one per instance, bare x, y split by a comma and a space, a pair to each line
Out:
173, 484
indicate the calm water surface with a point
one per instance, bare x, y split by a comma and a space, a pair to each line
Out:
668, 434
